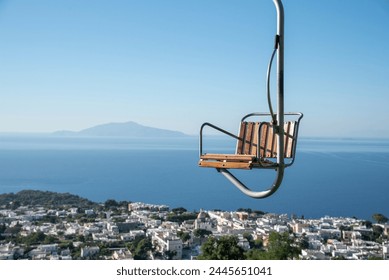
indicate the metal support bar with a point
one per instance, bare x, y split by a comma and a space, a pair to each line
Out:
280, 117
280, 82
254, 194
214, 127
280, 165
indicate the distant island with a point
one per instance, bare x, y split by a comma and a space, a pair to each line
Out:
125, 129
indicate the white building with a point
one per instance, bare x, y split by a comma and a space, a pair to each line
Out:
167, 241
122, 254
330, 233
203, 221
281, 228
243, 243
48, 248
89, 251
8, 251
313, 255
175, 245
385, 251
89, 212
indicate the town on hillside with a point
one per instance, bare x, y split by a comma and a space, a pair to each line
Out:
119, 230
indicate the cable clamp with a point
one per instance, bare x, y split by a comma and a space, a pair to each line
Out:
276, 41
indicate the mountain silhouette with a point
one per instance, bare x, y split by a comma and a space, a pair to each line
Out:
126, 129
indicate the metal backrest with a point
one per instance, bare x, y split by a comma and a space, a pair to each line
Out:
250, 132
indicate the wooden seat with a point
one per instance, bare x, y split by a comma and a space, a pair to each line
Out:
251, 153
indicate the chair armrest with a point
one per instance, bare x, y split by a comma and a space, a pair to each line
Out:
216, 128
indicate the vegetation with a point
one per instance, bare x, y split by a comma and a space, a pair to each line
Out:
113, 204
179, 210
13, 231
140, 247
2, 229
379, 218
367, 224
225, 248
44, 198
37, 238
181, 217
201, 233
280, 247
277, 247
184, 236
254, 244
377, 234
249, 210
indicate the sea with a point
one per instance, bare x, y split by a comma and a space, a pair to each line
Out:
334, 177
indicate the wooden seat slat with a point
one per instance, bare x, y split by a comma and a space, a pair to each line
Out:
228, 164
246, 153
231, 157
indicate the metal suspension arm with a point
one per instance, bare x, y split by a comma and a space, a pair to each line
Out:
280, 117
247, 191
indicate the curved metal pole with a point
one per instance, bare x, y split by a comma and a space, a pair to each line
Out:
280, 80
254, 194
280, 117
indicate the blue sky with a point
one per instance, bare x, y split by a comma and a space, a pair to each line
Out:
175, 64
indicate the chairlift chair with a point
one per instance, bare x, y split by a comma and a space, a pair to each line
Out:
267, 143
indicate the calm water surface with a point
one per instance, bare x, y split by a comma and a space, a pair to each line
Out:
334, 177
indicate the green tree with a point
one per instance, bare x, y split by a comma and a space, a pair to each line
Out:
201, 233
377, 234
248, 236
258, 244
367, 224
179, 218
15, 205
254, 244
184, 236
225, 248
339, 258
155, 217
13, 230
303, 242
374, 258
379, 218
255, 254
280, 247
104, 251
111, 203
140, 247
34, 238
51, 219
141, 251
49, 239
2, 228
169, 255
124, 203
345, 228
66, 245
248, 210
179, 210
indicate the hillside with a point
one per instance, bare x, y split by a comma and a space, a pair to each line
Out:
43, 198
126, 129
